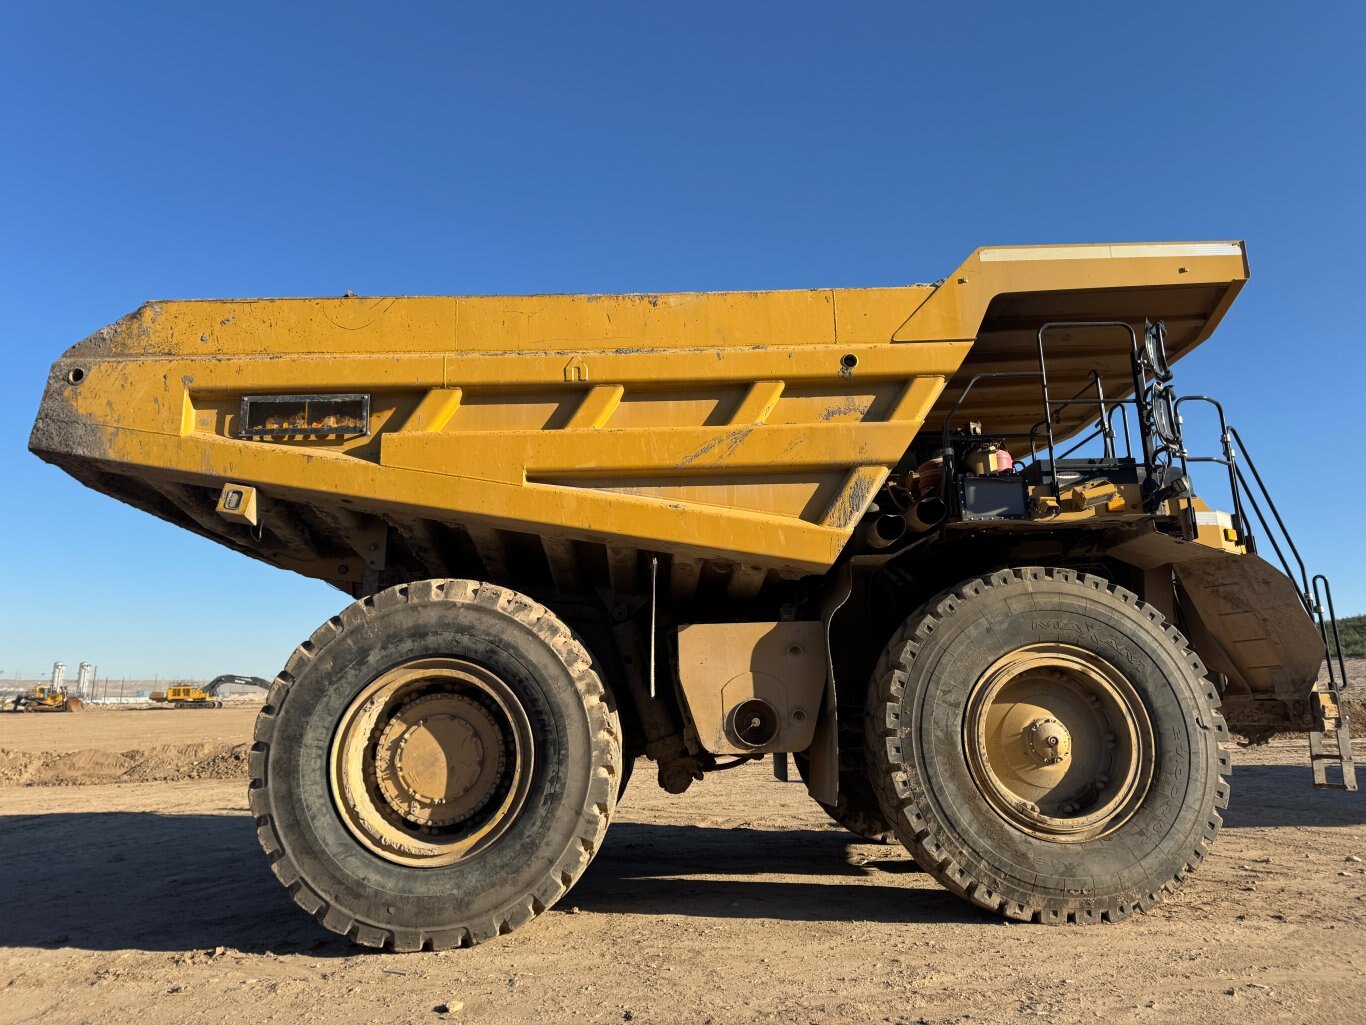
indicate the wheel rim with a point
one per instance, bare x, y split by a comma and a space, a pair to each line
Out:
431, 762
1059, 742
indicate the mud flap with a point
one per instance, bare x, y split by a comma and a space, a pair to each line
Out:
1247, 621
823, 783
1242, 615
1254, 615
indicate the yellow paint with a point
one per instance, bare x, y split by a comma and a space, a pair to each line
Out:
753, 427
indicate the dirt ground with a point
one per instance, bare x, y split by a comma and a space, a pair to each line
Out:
116, 729
142, 745
150, 902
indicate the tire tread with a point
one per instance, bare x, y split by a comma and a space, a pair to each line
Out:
599, 803
905, 805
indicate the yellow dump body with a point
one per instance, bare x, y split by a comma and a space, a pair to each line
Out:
742, 433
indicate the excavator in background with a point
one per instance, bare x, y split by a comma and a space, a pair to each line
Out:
186, 695
46, 698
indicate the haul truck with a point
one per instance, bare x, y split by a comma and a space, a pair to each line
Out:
938, 543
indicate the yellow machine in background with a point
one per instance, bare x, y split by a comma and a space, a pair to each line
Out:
46, 698
940, 543
185, 696
188, 695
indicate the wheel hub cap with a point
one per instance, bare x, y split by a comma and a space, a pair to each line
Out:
1048, 741
1059, 742
439, 759
431, 762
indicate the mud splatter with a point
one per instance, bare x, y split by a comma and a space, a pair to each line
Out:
726, 444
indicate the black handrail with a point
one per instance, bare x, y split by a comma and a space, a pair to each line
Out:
1139, 400
1110, 420
1270, 536
1337, 681
1136, 366
1316, 593
1270, 504
1108, 430
1228, 461
946, 446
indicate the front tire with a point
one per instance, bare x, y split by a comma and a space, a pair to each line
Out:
1046, 745
435, 766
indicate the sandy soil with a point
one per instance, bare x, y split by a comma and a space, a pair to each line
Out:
117, 729
150, 902
125, 745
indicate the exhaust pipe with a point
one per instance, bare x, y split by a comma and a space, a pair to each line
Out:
885, 530
926, 514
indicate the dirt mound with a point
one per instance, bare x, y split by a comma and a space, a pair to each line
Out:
165, 762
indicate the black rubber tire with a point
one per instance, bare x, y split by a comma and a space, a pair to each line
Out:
576, 740
857, 808
914, 734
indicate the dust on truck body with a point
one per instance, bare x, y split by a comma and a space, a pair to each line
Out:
846, 526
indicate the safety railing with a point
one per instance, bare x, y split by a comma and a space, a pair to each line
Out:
1315, 592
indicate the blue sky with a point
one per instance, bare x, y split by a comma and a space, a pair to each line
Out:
185, 150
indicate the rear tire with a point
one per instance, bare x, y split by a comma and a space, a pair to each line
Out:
857, 808
988, 802
434, 767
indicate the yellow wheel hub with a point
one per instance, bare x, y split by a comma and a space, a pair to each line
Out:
431, 762
1059, 742
1049, 741
439, 759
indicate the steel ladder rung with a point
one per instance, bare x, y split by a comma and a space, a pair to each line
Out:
1332, 723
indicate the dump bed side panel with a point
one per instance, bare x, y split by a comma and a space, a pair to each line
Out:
764, 456
741, 433
526, 324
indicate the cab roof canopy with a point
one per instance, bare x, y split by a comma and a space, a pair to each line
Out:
1187, 286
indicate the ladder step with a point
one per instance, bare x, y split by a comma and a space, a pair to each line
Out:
1331, 744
